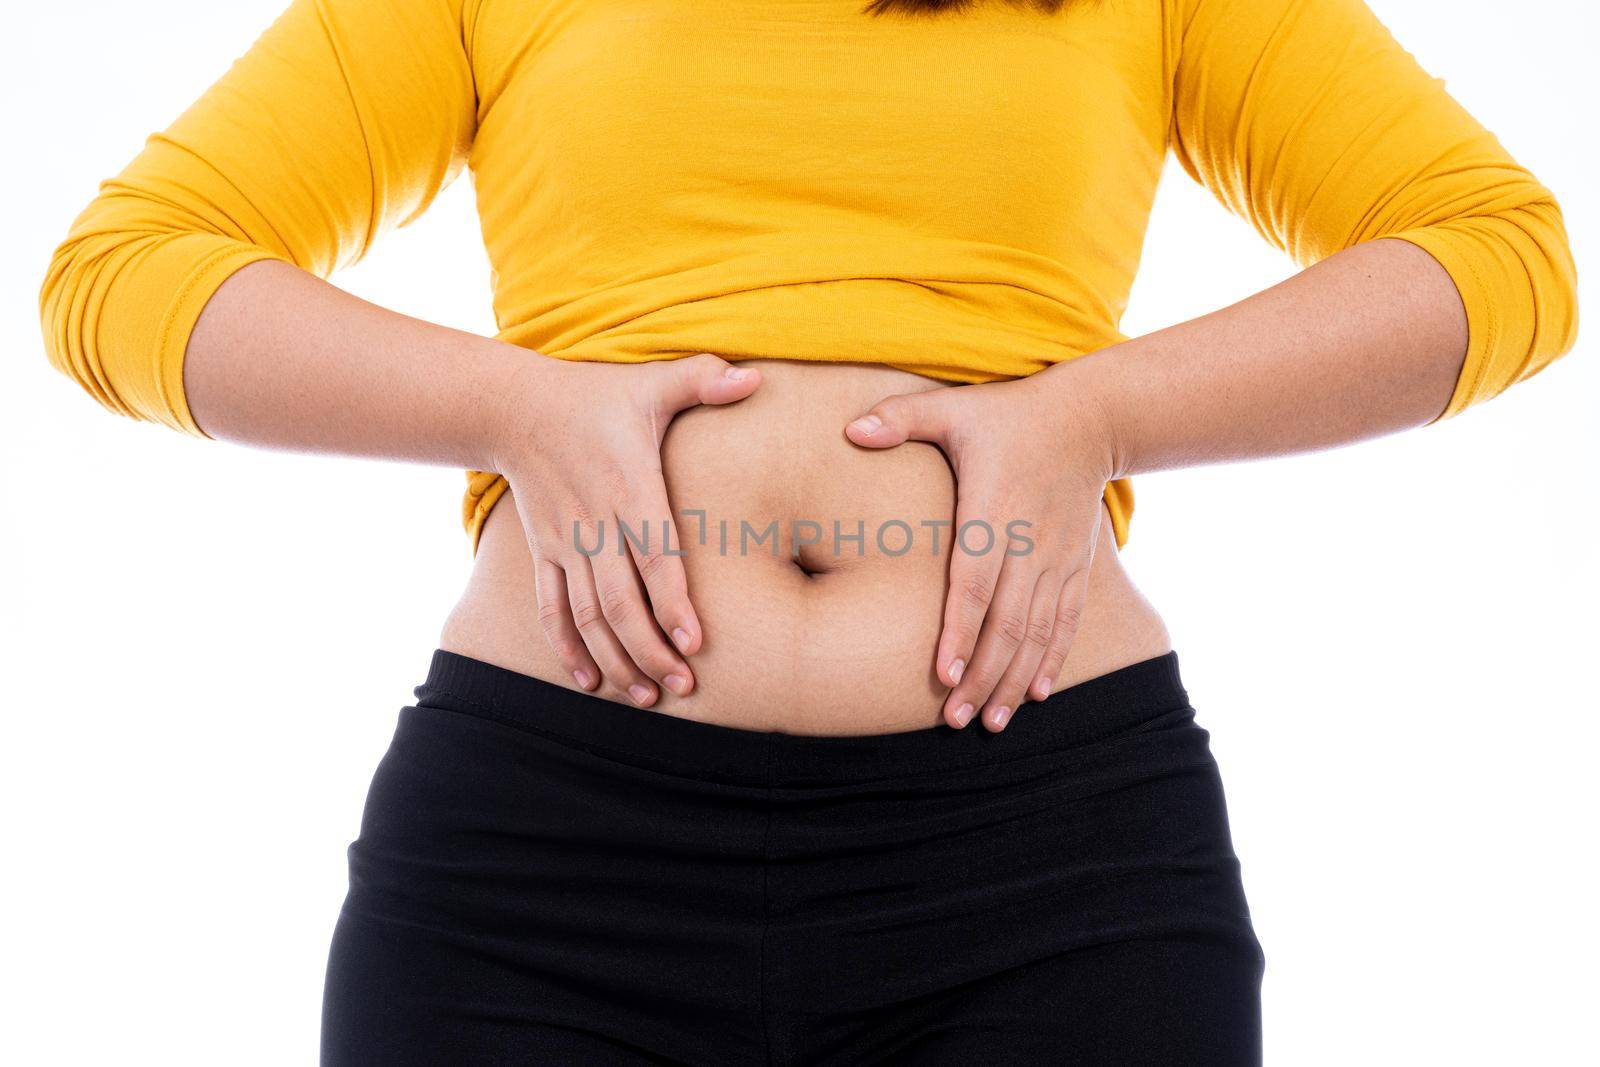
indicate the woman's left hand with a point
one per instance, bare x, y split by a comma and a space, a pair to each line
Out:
1031, 460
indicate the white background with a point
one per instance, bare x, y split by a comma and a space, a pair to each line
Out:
201, 669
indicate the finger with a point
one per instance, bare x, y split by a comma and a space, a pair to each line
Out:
555, 617
1004, 629
906, 417
1024, 666
702, 379
973, 577
664, 579
1069, 613
615, 665
622, 601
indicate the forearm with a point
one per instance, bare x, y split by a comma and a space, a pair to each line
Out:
1367, 342
281, 359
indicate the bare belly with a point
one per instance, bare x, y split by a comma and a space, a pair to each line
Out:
837, 641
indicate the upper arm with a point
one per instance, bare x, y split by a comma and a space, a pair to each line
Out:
343, 120
1308, 118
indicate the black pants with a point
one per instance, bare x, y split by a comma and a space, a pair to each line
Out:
544, 877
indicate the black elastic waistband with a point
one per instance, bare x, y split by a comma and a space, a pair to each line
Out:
1089, 711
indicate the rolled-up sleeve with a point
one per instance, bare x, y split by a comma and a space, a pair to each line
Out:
343, 120
1307, 118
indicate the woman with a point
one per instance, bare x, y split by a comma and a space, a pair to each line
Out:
797, 466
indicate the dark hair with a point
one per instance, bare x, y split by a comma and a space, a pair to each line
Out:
933, 7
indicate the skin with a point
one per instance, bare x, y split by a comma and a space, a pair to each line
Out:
1367, 342
814, 638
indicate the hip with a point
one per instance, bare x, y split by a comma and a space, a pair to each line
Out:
543, 875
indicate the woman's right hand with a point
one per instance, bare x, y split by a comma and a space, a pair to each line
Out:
580, 445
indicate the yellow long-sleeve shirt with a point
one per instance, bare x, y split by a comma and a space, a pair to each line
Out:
963, 195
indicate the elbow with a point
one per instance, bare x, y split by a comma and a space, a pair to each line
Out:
68, 300
1532, 274
1514, 271
1553, 285
117, 306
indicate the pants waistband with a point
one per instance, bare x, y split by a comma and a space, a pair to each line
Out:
1092, 710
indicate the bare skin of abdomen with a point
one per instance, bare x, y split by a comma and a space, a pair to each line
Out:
818, 636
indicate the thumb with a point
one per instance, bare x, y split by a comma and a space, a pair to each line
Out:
897, 419
704, 379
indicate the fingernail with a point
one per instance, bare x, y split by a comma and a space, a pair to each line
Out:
677, 683
680, 637
639, 693
964, 714
738, 374
956, 667
868, 424
998, 717
583, 678
1042, 687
